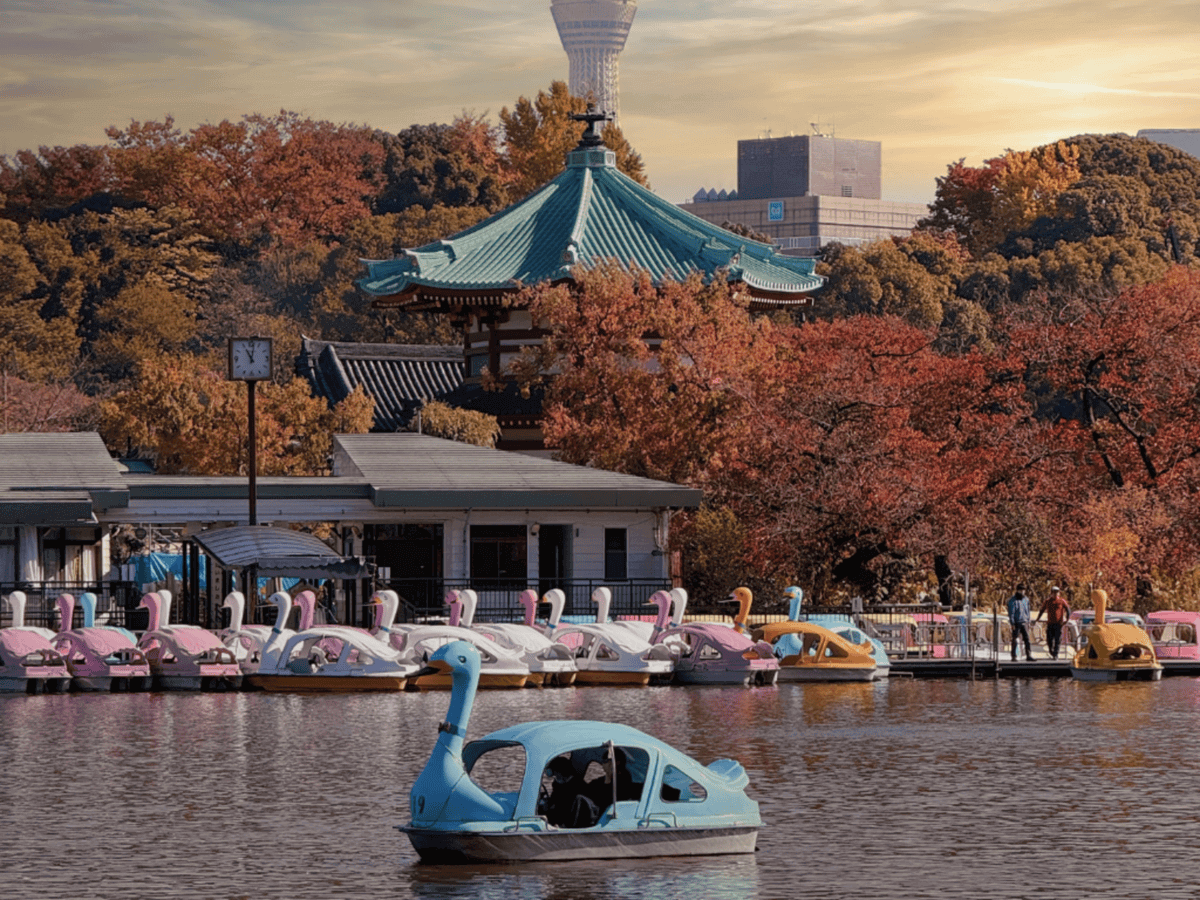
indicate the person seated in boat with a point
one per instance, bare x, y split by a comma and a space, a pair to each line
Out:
569, 804
576, 801
613, 768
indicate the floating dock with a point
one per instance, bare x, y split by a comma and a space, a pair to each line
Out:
1038, 668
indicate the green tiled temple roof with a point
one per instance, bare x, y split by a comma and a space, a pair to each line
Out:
589, 213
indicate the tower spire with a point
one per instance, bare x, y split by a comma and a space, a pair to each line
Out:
593, 32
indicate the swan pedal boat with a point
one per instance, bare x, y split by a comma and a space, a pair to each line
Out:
678, 807
822, 656
1114, 651
29, 662
363, 664
99, 657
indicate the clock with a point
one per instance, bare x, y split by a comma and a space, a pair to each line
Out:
249, 359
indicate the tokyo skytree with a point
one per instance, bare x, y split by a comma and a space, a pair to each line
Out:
593, 33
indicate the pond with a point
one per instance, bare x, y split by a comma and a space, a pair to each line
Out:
903, 788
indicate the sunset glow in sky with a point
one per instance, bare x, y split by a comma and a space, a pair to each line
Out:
934, 80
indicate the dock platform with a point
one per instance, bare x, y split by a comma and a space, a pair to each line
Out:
1038, 668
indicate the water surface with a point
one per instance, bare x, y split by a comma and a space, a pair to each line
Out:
909, 789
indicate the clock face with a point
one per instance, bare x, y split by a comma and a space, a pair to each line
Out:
250, 359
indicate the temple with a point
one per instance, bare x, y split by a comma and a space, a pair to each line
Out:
589, 214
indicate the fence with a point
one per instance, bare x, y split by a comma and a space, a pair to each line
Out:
424, 598
116, 602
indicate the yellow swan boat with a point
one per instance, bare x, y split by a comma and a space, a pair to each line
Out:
809, 652
1114, 651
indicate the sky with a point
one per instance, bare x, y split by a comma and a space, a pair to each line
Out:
933, 80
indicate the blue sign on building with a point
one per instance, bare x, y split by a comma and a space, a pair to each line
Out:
775, 211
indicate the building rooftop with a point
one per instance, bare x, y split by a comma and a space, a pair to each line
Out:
398, 377
588, 214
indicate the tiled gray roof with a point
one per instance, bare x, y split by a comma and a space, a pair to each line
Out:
398, 377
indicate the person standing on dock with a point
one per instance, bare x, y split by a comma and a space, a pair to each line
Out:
1018, 617
1057, 611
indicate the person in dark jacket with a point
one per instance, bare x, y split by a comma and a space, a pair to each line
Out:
1018, 618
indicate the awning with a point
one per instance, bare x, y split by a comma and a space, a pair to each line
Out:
279, 551
46, 508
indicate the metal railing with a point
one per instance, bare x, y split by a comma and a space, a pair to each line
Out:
424, 598
116, 602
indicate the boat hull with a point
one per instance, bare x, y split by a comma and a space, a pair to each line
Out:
36, 684
618, 679
560, 845
1144, 673
216, 682
329, 684
826, 673
106, 684
487, 681
744, 677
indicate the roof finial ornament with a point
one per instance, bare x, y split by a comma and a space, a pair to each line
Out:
591, 137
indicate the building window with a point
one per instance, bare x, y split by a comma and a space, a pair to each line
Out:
499, 557
8, 554
847, 190
70, 555
615, 555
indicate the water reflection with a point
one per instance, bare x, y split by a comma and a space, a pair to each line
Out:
912, 788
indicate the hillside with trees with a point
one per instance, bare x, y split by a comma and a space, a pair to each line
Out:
127, 265
1011, 391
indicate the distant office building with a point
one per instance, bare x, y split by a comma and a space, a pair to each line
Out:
809, 165
808, 190
593, 33
1185, 139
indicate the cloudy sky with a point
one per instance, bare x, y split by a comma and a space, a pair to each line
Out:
934, 80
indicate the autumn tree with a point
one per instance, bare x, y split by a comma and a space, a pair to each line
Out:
281, 178
33, 183
1125, 368
34, 342
644, 373
464, 425
539, 133
455, 165
191, 419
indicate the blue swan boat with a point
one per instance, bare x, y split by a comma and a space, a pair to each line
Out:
587, 790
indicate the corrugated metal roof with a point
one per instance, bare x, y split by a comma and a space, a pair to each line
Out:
57, 479
398, 377
588, 214
278, 551
73, 460
418, 471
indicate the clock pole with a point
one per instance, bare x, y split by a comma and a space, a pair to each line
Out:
250, 361
253, 462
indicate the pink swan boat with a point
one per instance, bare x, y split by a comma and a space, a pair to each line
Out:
185, 657
99, 658
712, 652
29, 664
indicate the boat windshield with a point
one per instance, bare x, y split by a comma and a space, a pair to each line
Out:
1172, 632
499, 770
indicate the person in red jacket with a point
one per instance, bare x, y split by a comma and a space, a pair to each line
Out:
1057, 611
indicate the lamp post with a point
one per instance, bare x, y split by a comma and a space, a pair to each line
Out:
250, 361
